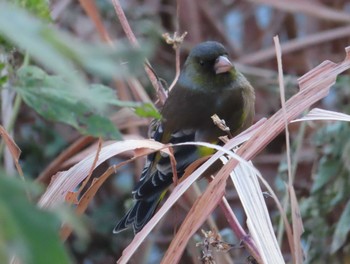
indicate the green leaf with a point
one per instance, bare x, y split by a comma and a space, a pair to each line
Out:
38, 7
100, 126
342, 229
327, 170
108, 96
67, 56
147, 110
26, 31
26, 231
3, 80
98, 59
54, 99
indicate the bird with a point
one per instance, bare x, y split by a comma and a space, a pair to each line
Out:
208, 84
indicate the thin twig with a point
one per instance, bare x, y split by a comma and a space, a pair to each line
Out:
238, 230
132, 39
124, 23
175, 41
297, 254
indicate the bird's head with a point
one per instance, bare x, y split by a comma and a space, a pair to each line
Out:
208, 65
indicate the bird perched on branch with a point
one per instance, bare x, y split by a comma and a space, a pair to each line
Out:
208, 84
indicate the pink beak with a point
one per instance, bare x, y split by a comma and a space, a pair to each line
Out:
222, 65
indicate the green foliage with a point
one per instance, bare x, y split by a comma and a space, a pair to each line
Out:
3, 78
26, 231
67, 97
327, 170
147, 110
342, 229
54, 98
40, 8
67, 56
326, 212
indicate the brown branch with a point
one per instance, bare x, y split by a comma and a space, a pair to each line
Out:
90, 8
296, 44
238, 230
311, 8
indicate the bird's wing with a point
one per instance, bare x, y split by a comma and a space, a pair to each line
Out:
157, 174
156, 177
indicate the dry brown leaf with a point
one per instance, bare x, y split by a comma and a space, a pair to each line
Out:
72, 198
288, 228
93, 166
96, 184
69, 180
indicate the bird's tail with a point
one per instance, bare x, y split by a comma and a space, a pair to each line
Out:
139, 215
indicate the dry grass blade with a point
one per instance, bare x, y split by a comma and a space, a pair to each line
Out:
71, 197
203, 206
314, 86
297, 222
175, 195
281, 210
258, 219
69, 180
96, 184
213, 198
321, 114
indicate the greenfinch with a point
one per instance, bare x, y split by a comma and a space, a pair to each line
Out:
208, 84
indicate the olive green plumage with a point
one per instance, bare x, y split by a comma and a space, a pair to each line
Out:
208, 84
